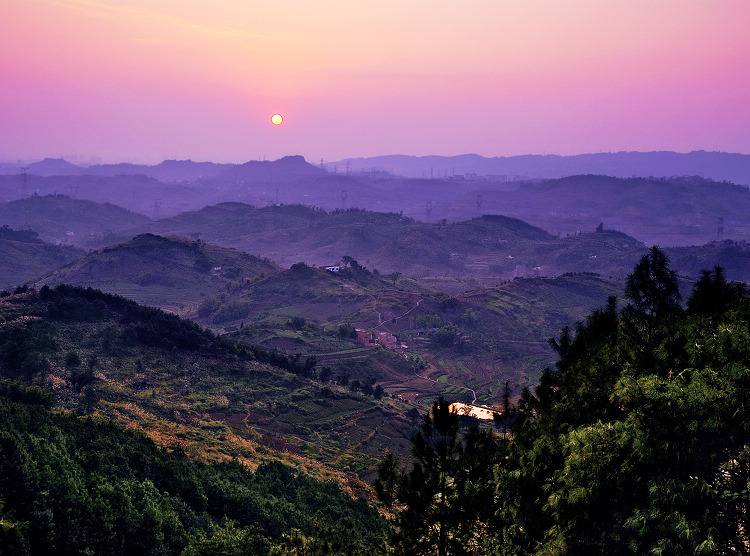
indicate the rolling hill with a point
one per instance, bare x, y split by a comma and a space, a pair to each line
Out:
661, 211
472, 341
184, 386
24, 257
685, 204
60, 219
169, 273
200, 399
489, 248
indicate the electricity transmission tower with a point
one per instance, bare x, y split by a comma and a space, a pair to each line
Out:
25, 179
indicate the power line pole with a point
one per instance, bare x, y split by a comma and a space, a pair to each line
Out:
25, 179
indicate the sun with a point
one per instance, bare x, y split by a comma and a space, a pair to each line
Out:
276, 119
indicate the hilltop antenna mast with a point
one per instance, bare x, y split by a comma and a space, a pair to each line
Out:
344, 196
156, 209
720, 229
25, 178
348, 169
479, 204
322, 165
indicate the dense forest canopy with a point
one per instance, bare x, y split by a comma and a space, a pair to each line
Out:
82, 485
636, 443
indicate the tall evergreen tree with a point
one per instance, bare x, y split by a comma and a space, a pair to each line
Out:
652, 287
442, 505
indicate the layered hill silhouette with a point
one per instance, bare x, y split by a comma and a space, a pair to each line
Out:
178, 170
488, 248
719, 166
669, 209
668, 212
169, 187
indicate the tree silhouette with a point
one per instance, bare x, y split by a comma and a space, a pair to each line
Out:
652, 286
442, 498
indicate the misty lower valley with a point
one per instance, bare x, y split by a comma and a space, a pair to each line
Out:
518, 356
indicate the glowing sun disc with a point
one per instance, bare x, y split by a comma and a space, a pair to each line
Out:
276, 119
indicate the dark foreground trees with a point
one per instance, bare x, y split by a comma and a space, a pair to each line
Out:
638, 442
442, 505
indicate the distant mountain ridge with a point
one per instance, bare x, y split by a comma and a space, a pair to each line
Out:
168, 170
174, 170
719, 166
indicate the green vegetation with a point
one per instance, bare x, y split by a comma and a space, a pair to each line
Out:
217, 398
442, 500
71, 485
635, 443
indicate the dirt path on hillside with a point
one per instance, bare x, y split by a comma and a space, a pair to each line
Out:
381, 322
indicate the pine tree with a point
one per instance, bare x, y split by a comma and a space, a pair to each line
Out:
444, 503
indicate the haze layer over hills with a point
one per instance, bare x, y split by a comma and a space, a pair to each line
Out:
717, 166
665, 210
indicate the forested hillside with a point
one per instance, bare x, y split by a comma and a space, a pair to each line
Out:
635, 443
183, 385
73, 485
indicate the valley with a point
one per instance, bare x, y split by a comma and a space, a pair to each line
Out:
475, 300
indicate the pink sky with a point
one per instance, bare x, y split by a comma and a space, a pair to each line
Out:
145, 80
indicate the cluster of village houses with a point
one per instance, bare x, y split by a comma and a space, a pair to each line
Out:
385, 340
